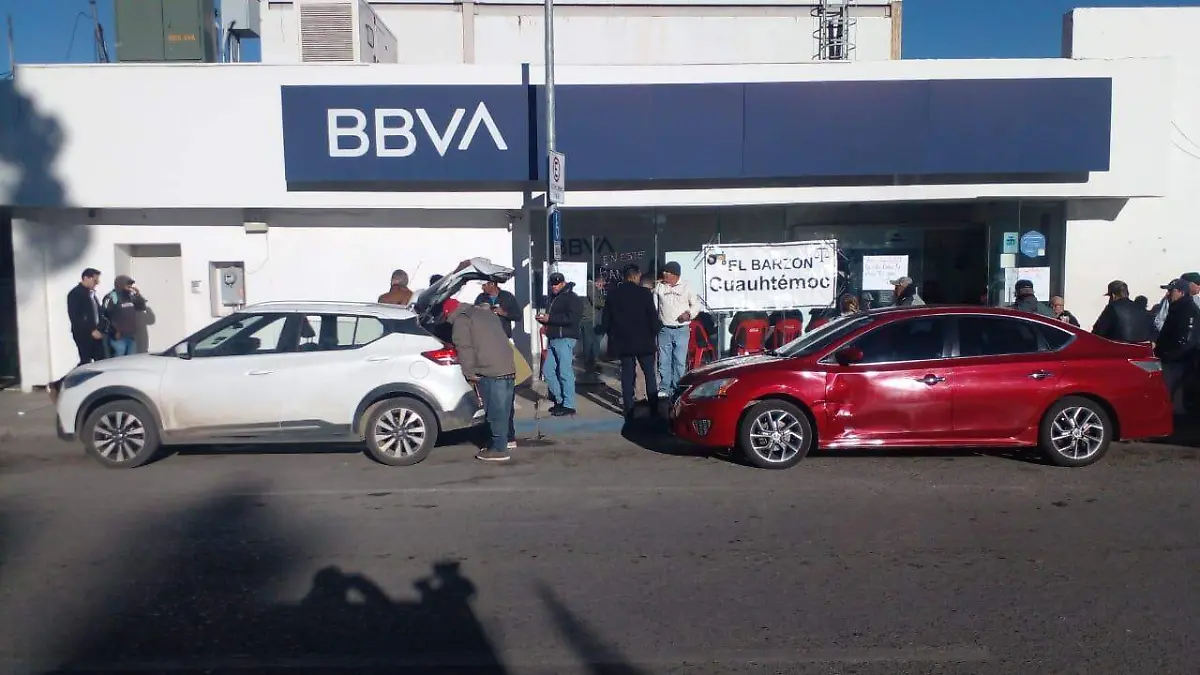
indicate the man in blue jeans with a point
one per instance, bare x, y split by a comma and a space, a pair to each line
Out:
121, 307
561, 321
677, 305
486, 359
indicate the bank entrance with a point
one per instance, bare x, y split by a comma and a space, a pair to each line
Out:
956, 252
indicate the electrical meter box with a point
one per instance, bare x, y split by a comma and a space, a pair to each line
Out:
227, 287
242, 17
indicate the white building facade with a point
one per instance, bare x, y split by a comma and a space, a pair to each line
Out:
319, 180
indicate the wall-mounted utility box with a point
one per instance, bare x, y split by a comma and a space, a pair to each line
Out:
227, 287
243, 18
152, 31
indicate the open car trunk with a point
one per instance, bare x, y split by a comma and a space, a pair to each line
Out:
429, 303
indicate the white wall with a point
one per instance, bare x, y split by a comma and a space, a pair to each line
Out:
303, 256
209, 136
599, 33
1146, 241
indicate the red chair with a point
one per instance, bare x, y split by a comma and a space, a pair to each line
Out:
700, 348
785, 331
748, 338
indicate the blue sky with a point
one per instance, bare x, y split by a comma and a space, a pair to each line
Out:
60, 31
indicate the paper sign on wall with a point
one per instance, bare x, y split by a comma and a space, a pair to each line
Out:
880, 270
1009, 242
1040, 276
792, 275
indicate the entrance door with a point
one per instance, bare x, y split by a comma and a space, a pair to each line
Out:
158, 271
900, 392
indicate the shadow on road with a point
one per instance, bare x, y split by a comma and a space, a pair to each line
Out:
599, 658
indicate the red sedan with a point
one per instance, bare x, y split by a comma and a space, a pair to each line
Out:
921, 377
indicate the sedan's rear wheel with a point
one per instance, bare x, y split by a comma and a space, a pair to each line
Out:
775, 434
1075, 432
121, 435
400, 431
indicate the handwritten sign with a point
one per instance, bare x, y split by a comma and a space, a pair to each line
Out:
879, 271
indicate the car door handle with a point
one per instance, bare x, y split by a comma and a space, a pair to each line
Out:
1041, 374
375, 359
260, 372
932, 379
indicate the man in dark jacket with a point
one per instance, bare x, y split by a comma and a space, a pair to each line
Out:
631, 322
87, 317
502, 303
1176, 345
121, 307
561, 320
1121, 320
1027, 300
486, 359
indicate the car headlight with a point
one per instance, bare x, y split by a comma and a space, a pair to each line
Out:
79, 377
711, 389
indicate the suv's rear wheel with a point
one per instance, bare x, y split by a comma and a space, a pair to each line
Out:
400, 431
121, 434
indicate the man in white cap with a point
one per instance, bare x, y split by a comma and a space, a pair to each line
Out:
906, 293
677, 305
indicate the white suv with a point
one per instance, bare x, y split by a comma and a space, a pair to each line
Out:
285, 372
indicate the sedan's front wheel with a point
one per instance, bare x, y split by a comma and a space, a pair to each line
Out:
775, 434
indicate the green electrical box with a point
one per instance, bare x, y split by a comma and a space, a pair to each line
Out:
150, 31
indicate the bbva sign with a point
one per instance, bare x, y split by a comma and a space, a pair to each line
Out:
393, 132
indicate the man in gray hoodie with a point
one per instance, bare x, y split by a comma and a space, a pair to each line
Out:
486, 359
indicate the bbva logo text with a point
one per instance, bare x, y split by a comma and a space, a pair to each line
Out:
393, 133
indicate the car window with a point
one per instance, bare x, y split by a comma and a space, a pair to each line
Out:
919, 339
328, 332
1056, 339
824, 336
998, 336
248, 334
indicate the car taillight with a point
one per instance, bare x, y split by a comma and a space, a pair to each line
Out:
446, 356
1148, 365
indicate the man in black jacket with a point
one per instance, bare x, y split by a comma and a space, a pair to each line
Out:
1121, 320
121, 308
88, 323
631, 322
1176, 345
502, 303
561, 320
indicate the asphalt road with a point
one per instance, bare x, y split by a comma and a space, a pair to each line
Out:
595, 555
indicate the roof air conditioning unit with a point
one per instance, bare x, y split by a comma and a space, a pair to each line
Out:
343, 31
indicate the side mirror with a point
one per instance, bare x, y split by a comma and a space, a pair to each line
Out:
848, 356
184, 351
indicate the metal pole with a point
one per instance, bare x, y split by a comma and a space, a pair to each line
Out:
553, 246
97, 45
12, 54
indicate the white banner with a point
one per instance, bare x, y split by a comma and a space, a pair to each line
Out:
791, 275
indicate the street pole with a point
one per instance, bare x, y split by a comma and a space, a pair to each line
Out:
12, 52
553, 240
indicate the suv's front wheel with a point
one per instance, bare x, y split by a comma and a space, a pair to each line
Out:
121, 434
400, 431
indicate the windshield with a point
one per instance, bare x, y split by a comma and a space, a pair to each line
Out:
824, 336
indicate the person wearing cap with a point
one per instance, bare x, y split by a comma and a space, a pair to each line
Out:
1121, 320
1027, 300
1059, 307
121, 308
399, 293
906, 293
1176, 344
1193, 282
561, 321
677, 305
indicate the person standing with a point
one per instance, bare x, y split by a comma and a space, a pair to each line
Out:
589, 335
486, 359
677, 305
631, 323
1026, 299
1121, 319
502, 303
121, 308
399, 293
1059, 307
561, 320
1176, 345
87, 323
905, 293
